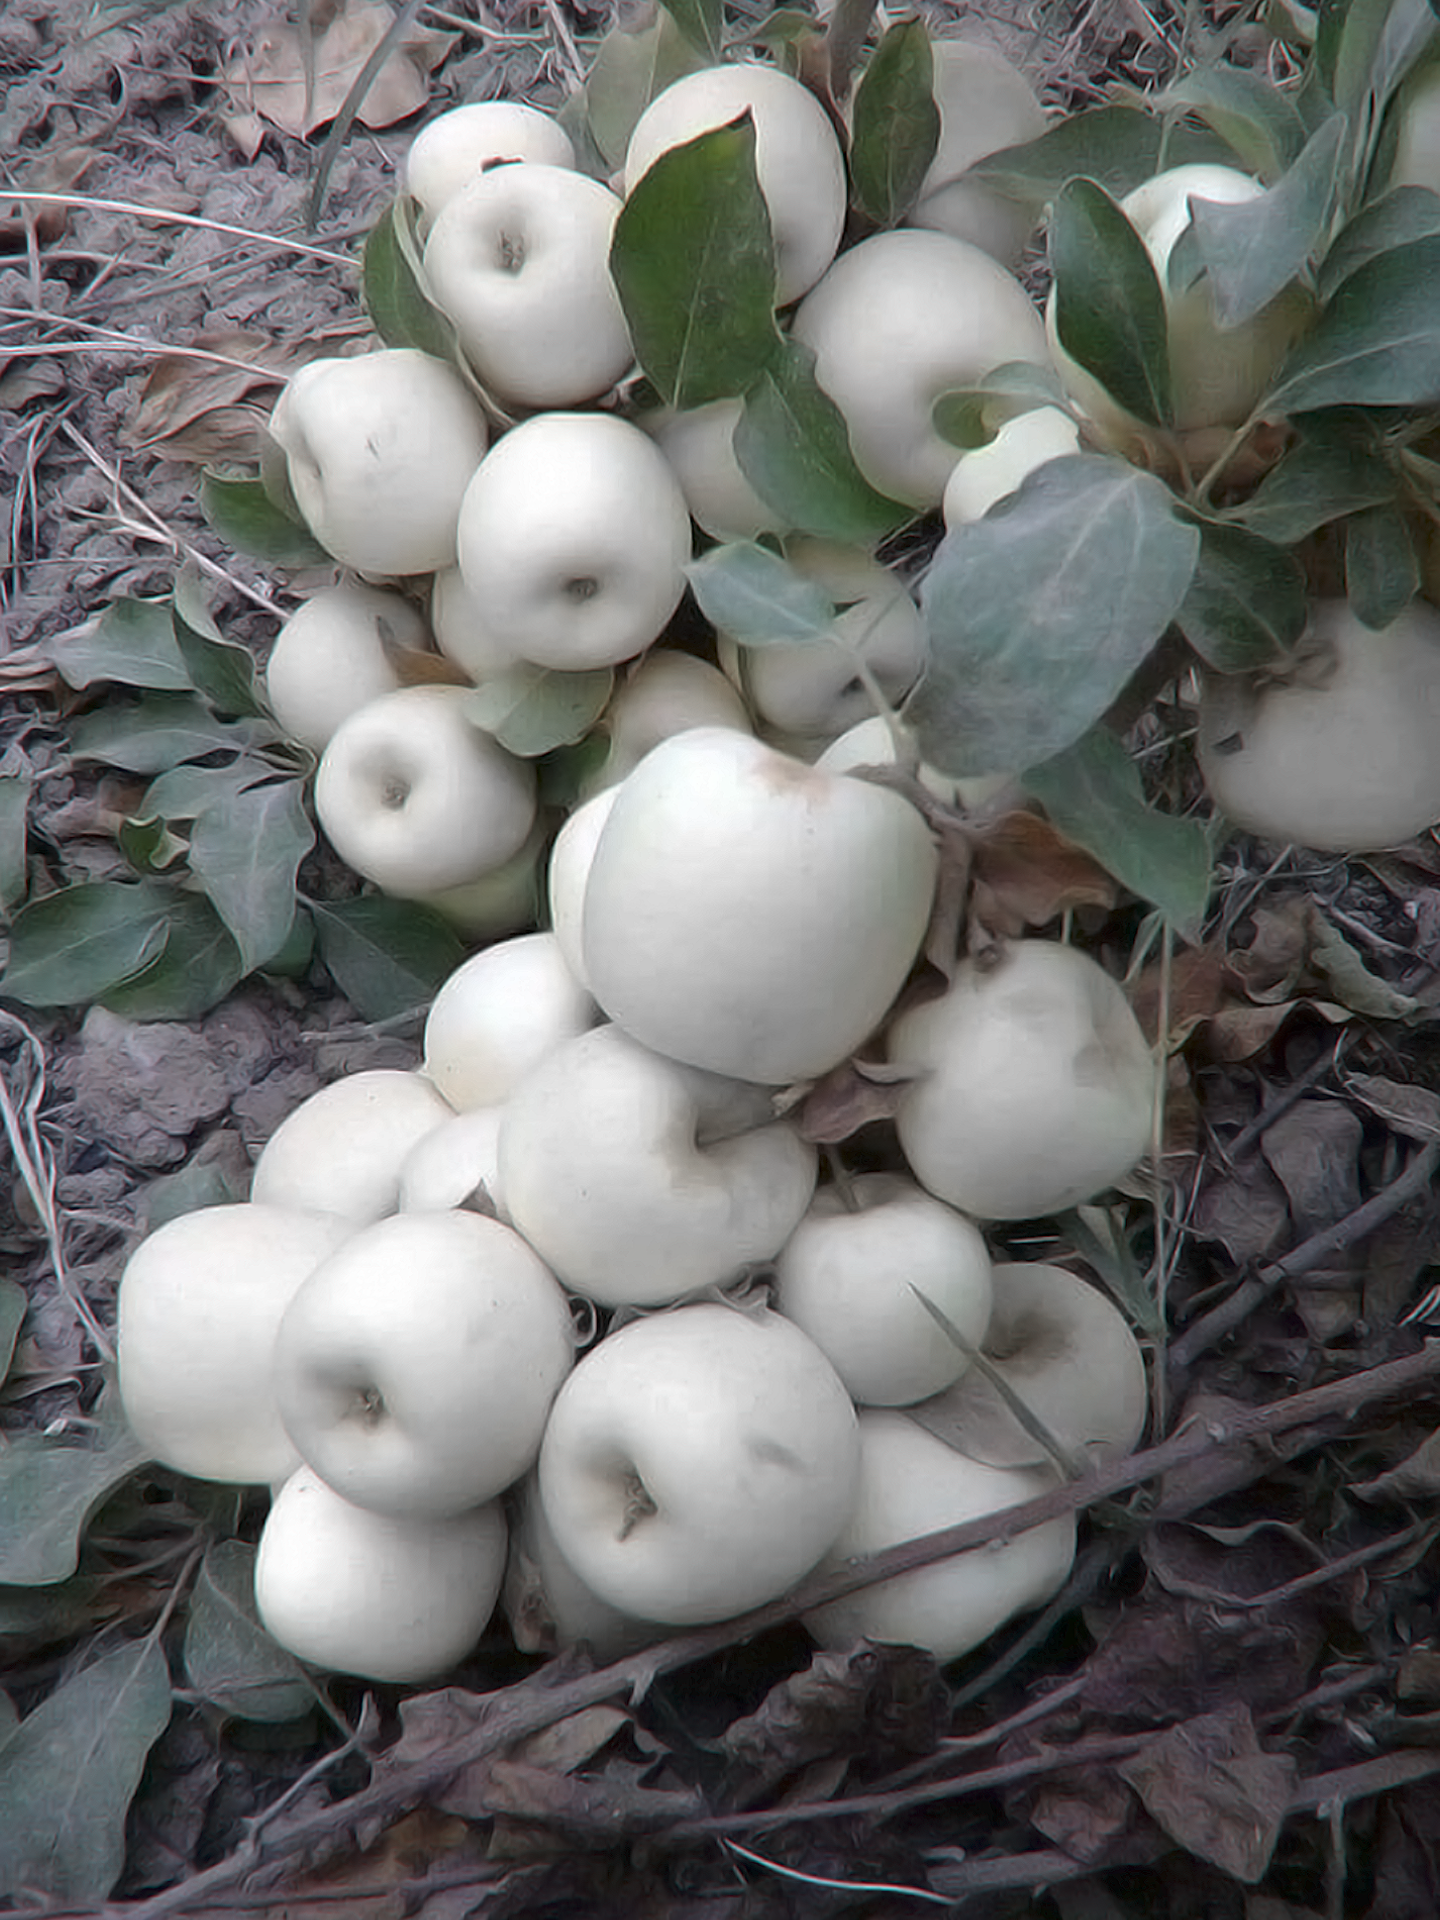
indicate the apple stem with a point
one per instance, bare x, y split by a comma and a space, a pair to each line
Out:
638, 1506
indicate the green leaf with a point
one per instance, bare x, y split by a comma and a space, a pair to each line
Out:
386, 956
895, 125
1409, 213
221, 671
1093, 794
1039, 613
229, 1657
1253, 250
392, 285
246, 854
71, 947
246, 518
756, 598
1117, 147
1259, 122
627, 72
156, 731
43, 1616
15, 790
69, 1772
132, 643
195, 968
693, 261
13, 1303
1109, 307
1336, 467
702, 22
199, 1183
794, 448
1382, 570
971, 416
1379, 42
48, 1491
532, 710
1377, 343
1246, 605
149, 845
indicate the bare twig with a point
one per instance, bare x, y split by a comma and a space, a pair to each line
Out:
279, 243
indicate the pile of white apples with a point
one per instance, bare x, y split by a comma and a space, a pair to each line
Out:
571, 1298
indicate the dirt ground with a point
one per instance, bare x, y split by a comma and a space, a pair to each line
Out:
1230, 1711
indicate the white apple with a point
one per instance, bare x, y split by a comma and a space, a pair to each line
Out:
985, 103
988, 474
199, 1303
503, 901
546, 1602
498, 1015
456, 146
1342, 752
573, 540
569, 869
456, 1165
1068, 1355
342, 1148
747, 914
798, 161
459, 631
912, 1484
520, 262
899, 320
849, 1274
872, 743
698, 1462
699, 444
811, 690
415, 1368
1217, 374
395, 1598
335, 653
1035, 1087
664, 693
415, 797
639, 1180
379, 449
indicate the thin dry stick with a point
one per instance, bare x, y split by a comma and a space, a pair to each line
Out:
511, 1713
165, 216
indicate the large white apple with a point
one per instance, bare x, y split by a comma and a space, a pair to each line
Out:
872, 743
504, 901
899, 320
573, 540
639, 1180
745, 913
459, 632
335, 653
666, 692
699, 443
457, 146
342, 1148
569, 870
1342, 752
1067, 1354
1217, 374
798, 161
379, 449
418, 799
520, 262
199, 1304
397, 1598
849, 1276
985, 103
456, 1165
497, 1016
912, 1484
1034, 1088
415, 1368
698, 1462
546, 1602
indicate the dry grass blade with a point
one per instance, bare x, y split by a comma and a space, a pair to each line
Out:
335, 139
165, 215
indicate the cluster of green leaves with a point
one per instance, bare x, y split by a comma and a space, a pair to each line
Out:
214, 845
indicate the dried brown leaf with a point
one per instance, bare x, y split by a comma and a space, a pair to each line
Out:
1269, 969
269, 78
1084, 1812
1411, 1111
210, 411
1165, 1659
1244, 1211
1212, 1787
53, 171
1417, 1477
1194, 993
848, 1098
597, 1810
1026, 874
1314, 1152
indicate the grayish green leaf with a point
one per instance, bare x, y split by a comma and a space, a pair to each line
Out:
221, 671
245, 854
392, 286
194, 969
693, 261
48, 1491
702, 22
895, 125
1409, 213
794, 448
1336, 467
386, 956
1093, 794
1109, 307
68, 1773
13, 1303
532, 710
1377, 343
756, 598
69, 948
46, 1615
1039, 613
1246, 605
627, 72
15, 790
229, 1657
131, 643
1251, 114
156, 731
971, 416
246, 518
1382, 569
1254, 249
1116, 146
199, 1183
1095, 1235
